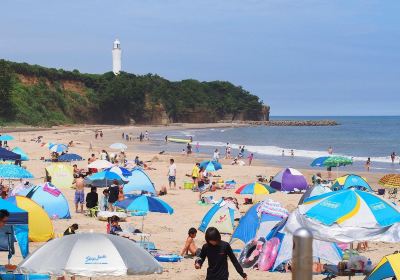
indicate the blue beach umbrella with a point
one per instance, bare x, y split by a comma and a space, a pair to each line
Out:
143, 204
8, 155
70, 157
211, 165
20, 152
6, 137
319, 162
11, 171
119, 170
104, 178
58, 148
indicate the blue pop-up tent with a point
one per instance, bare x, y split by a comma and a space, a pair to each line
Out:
18, 221
139, 181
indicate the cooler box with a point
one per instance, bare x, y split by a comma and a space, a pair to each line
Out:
188, 185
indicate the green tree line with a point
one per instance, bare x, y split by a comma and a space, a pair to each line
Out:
107, 98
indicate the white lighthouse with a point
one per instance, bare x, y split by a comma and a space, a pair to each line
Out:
116, 57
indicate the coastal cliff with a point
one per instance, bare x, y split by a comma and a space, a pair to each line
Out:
35, 95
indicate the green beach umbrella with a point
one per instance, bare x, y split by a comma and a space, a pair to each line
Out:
336, 161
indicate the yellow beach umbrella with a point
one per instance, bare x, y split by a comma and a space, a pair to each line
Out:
390, 181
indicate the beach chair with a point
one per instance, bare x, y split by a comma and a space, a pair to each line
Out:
393, 193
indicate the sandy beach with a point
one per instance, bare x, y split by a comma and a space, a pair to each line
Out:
167, 232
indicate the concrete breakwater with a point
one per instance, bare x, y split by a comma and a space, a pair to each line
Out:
291, 123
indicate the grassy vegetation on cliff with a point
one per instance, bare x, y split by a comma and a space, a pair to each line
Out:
36, 95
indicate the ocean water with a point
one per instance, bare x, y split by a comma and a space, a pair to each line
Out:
356, 137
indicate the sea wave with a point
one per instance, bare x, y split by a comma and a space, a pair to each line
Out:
277, 151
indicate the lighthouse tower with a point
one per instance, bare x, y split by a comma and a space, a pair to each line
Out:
116, 57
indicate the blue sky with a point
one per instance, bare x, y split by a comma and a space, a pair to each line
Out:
301, 57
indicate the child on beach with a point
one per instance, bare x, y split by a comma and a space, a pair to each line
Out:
190, 248
172, 173
71, 229
115, 227
217, 252
250, 158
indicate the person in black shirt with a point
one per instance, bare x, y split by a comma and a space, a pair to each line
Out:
92, 198
217, 252
113, 195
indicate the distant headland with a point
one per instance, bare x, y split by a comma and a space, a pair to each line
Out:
40, 96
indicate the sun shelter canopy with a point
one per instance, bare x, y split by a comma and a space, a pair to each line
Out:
62, 175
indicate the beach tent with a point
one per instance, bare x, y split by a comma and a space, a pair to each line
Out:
259, 220
8, 155
139, 181
351, 181
328, 252
20, 152
387, 268
50, 198
19, 221
40, 225
288, 180
220, 216
62, 175
314, 191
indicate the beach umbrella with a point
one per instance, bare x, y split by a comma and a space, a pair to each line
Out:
58, 148
118, 146
318, 162
90, 255
6, 137
255, 189
69, 157
289, 179
100, 164
104, 179
346, 216
143, 204
20, 152
211, 165
351, 181
388, 267
390, 181
120, 171
336, 161
8, 155
11, 171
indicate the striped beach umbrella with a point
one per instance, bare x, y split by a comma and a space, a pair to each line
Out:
58, 148
255, 189
390, 181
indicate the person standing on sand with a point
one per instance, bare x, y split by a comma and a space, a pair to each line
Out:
172, 173
79, 193
216, 155
113, 191
196, 173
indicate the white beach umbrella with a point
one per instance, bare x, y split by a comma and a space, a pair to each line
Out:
118, 146
90, 255
100, 164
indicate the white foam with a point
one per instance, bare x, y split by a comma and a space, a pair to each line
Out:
277, 151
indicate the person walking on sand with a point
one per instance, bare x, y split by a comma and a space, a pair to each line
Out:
368, 164
79, 193
172, 173
250, 158
217, 253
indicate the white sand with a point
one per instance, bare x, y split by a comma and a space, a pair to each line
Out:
167, 232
